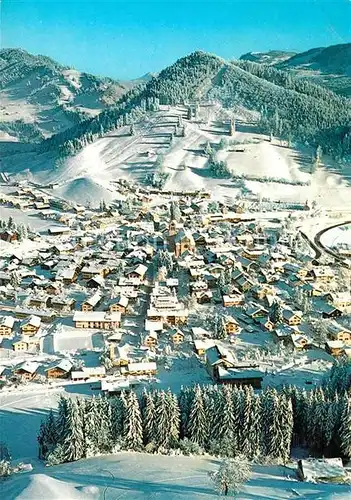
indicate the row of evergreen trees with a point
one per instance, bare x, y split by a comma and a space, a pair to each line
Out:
221, 420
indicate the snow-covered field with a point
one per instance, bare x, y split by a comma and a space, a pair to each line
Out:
338, 236
139, 476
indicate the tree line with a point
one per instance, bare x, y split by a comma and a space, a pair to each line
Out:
223, 421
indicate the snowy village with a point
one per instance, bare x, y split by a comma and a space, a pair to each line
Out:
175, 277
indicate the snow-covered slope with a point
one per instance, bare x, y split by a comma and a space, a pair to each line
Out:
267, 169
39, 97
139, 476
272, 57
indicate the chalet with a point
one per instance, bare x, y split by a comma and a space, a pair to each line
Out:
260, 292
283, 332
256, 311
337, 332
149, 368
96, 319
39, 302
9, 236
6, 326
62, 249
244, 283
253, 253
266, 324
200, 333
322, 274
339, 300
60, 370
242, 374
31, 325
138, 272
217, 356
231, 325
67, 275
151, 340
92, 271
291, 318
96, 282
203, 297
202, 344
27, 371
335, 347
120, 355
329, 311
119, 304
63, 304
299, 341
233, 300
170, 316
58, 230
52, 288
177, 336
92, 302
321, 469
20, 346
85, 373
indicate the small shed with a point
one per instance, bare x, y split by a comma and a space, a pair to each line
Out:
321, 469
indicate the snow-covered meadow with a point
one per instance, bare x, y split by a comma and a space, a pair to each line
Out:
139, 476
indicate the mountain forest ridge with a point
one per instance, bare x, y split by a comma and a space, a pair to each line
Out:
40, 97
288, 106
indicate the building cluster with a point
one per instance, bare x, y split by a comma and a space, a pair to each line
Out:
191, 272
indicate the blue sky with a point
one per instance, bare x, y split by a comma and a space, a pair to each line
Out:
125, 38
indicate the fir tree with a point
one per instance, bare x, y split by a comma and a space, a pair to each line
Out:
175, 211
72, 435
276, 313
345, 428
149, 418
197, 429
133, 432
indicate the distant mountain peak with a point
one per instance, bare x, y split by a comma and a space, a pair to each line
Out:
271, 57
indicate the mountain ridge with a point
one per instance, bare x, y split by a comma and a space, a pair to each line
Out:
40, 97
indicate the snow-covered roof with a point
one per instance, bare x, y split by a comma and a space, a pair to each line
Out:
153, 326
142, 367
64, 365
33, 321
322, 468
96, 316
93, 299
29, 366
7, 321
85, 372
198, 331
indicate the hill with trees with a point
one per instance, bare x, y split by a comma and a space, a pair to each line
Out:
327, 66
289, 107
40, 97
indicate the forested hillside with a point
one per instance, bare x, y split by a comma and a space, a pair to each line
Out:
335, 59
40, 97
290, 108
329, 67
